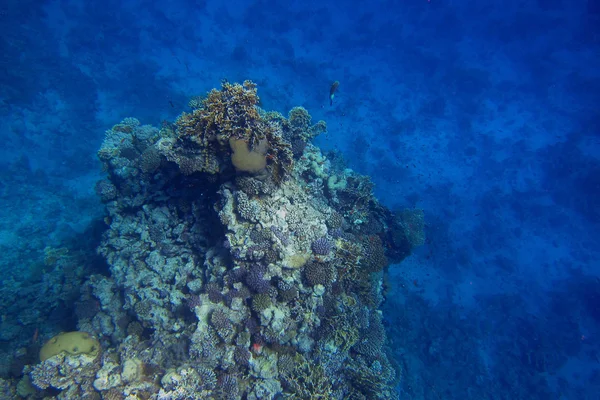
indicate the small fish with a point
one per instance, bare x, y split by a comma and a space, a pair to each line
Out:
334, 87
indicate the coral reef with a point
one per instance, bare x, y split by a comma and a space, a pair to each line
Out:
238, 268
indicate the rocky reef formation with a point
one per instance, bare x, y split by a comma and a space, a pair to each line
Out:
245, 264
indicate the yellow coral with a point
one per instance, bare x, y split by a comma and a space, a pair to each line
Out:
73, 343
244, 159
296, 260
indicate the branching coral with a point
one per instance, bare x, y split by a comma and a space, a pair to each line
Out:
307, 381
230, 124
226, 113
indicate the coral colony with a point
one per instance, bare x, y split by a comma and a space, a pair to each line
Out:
243, 265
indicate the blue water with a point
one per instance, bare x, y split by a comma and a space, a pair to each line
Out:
486, 115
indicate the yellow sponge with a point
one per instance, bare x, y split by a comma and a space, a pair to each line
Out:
73, 343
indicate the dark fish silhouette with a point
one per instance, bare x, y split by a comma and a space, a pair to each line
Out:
334, 87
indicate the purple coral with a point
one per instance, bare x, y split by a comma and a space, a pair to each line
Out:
255, 279
281, 235
241, 356
228, 387
193, 301
317, 273
222, 325
238, 274
214, 292
321, 246
337, 233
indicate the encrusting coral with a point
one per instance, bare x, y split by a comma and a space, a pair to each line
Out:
237, 268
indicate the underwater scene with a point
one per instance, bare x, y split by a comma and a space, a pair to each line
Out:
300, 200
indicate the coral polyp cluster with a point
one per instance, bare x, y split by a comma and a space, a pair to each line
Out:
237, 283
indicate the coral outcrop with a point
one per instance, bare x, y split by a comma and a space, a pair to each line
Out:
231, 278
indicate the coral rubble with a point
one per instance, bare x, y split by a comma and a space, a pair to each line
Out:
244, 264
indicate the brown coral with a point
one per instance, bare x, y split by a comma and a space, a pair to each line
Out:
229, 123
225, 113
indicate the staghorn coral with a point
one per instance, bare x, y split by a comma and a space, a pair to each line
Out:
340, 333
195, 102
226, 113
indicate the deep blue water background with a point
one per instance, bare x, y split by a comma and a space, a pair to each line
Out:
486, 114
